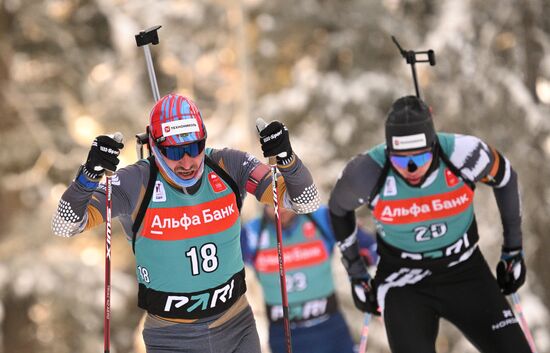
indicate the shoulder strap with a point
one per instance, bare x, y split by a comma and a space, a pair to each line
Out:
153, 170
379, 183
318, 226
226, 177
453, 168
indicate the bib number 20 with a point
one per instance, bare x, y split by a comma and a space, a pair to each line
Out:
206, 256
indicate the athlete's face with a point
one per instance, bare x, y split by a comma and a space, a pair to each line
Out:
187, 167
412, 166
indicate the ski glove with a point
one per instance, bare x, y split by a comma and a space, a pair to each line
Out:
103, 155
363, 292
511, 270
276, 142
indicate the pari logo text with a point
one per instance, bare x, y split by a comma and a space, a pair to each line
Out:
202, 301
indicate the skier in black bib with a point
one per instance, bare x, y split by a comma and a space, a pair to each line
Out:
419, 186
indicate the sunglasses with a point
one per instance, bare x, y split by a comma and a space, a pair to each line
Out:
420, 159
175, 153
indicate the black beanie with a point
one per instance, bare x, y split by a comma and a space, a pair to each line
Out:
409, 125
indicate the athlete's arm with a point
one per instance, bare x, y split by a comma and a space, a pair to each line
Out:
296, 189
351, 191
482, 163
367, 246
81, 208
249, 241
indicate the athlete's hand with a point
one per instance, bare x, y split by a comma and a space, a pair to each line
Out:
103, 155
276, 142
363, 292
511, 270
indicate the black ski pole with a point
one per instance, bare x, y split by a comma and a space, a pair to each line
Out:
411, 58
143, 39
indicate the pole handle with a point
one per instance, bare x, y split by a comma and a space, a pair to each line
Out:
118, 137
260, 125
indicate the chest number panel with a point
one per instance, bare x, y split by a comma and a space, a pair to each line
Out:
425, 233
206, 256
296, 282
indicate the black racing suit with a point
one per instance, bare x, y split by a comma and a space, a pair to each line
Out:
430, 266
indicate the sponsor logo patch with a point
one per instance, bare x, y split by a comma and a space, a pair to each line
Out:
159, 194
390, 187
509, 319
409, 142
419, 209
178, 223
309, 230
450, 178
115, 180
296, 256
216, 183
185, 126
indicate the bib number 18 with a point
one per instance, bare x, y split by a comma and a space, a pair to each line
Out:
206, 256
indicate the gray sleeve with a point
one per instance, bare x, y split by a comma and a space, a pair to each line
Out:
240, 166
301, 194
298, 191
80, 208
354, 185
481, 163
352, 190
509, 205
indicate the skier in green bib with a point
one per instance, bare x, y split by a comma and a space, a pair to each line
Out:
419, 186
316, 322
180, 210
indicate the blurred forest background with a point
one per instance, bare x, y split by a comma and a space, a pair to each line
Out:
70, 70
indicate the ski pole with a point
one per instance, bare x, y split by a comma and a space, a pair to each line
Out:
410, 57
364, 334
526, 331
260, 125
143, 39
107, 303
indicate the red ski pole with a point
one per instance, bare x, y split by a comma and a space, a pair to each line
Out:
107, 303
260, 125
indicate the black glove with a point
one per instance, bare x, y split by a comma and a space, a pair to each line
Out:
511, 270
103, 155
276, 142
363, 292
